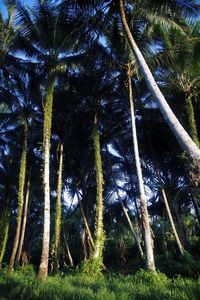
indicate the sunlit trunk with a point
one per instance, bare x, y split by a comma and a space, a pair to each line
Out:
68, 253
150, 264
99, 232
22, 175
23, 229
58, 215
43, 268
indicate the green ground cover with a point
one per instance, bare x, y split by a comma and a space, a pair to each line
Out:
23, 284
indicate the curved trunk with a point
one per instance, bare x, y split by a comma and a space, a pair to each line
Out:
24, 219
180, 247
4, 225
43, 268
22, 174
99, 232
68, 253
58, 216
184, 140
150, 265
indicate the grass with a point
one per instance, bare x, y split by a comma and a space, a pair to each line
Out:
23, 284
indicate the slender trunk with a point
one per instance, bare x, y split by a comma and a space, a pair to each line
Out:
22, 175
87, 228
143, 205
136, 237
185, 141
4, 225
180, 247
43, 268
23, 229
69, 256
58, 216
99, 232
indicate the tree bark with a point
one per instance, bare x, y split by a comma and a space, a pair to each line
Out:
43, 268
22, 175
99, 232
87, 228
184, 140
69, 256
23, 229
137, 240
58, 216
4, 225
150, 264
180, 247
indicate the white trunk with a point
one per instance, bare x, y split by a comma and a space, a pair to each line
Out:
143, 205
180, 247
185, 141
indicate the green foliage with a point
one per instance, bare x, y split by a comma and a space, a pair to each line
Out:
23, 284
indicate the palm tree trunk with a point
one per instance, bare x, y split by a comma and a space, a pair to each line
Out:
23, 229
180, 247
58, 216
150, 265
185, 141
137, 239
99, 232
22, 175
43, 268
85, 221
69, 256
4, 225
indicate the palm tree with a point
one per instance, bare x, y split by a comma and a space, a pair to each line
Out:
54, 54
181, 135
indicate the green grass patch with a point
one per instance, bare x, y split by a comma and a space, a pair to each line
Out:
23, 284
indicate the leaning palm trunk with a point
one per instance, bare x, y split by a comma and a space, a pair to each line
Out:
68, 253
150, 265
22, 175
185, 141
180, 247
135, 235
58, 216
23, 229
87, 228
99, 232
43, 268
4, 226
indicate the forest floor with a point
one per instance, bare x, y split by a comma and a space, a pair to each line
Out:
24, 285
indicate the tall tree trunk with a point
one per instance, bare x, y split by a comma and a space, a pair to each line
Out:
87, 228
58, 216
180, 247
4, 225
181, 135
99, 232
150, 264
22, 175
43, 268
136, 237
23, 229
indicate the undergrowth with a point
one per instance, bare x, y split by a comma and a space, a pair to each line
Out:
23, 284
